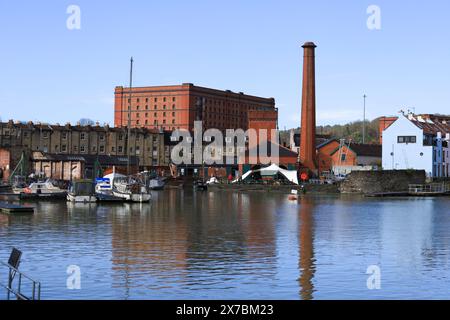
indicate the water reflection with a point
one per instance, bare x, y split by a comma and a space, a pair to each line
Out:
306, 244
206, 245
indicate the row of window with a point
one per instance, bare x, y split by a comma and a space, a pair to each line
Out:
101, 149
138, 108
406, 139
138, 100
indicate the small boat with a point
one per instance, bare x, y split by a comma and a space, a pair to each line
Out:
104, 188
19, 184
118, 187
132, 191
157, 184
82, 191
43, 190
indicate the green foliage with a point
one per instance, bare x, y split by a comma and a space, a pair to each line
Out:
351, 130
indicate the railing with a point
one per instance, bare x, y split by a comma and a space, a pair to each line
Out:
17, 290
429, 188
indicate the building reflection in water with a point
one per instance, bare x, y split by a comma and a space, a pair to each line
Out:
188, 239
306, 246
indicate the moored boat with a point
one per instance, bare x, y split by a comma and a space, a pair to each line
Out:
131, 191
82, 191
43, 190
104, 188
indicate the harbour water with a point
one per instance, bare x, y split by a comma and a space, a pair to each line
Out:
227, 245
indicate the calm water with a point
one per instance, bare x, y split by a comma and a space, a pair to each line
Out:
209, 245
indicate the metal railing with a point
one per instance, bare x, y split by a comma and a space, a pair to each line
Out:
429, 188
16, 290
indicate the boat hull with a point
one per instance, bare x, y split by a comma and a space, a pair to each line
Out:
43, 196
133, 197
81, 199
105, 197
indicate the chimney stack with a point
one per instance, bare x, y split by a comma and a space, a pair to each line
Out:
308, 122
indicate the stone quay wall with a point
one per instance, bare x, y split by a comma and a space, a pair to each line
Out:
367, 182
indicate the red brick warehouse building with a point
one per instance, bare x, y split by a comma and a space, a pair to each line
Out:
178, 106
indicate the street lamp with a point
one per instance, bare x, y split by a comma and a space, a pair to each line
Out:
364, 121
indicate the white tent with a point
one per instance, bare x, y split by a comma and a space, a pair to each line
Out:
271, 170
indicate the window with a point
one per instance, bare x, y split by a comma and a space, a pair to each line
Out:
102, 149
137, 121
343, 157
406, 139
82, 136
173, 106
137, 115
120, 149
82, 149
146, 99
164, 107
44, 134
137, 108
137, 100
164, 114
120, 137
25, 134
102, 137
94, 149
164, 99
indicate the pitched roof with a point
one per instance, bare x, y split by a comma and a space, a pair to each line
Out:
323, 144
430, 126
364, 150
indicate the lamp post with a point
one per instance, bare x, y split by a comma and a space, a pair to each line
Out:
364, 121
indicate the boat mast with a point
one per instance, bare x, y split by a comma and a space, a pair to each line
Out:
129, 118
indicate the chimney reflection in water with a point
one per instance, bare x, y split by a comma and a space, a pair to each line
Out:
306, 255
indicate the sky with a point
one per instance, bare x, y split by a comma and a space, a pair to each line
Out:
51, 73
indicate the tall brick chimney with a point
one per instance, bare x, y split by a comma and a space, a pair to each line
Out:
308, 123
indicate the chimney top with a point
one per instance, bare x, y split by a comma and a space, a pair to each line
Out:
309, 45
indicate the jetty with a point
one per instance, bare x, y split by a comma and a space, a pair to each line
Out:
14, 209
416, 190
429, 190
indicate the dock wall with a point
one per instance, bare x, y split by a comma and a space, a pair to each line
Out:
367, 182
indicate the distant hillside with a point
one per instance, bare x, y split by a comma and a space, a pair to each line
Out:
352, 130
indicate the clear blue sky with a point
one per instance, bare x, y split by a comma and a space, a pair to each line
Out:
52, 74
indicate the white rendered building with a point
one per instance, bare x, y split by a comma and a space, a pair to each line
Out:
417, 142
